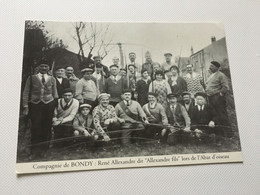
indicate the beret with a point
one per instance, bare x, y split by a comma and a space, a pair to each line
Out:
186, 93
127, 91
131, 65
215, 63
200, 94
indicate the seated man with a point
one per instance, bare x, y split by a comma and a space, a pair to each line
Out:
64, 113
133, 116
178, 119
187, 101
156, 116
203, 117
105, 118
82, 123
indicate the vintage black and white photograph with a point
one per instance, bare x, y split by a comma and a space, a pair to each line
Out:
115, 95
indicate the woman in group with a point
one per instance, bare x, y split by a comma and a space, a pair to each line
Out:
142, 87
161, 87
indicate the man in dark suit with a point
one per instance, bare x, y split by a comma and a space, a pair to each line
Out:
61, 83
187, 101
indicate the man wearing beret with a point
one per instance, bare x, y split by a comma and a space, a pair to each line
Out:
133, 115
86, 88
40, 105
62, 83
115, 85
168, 63
216, 89
105, 118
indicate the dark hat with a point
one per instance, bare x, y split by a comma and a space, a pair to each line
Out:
67, 90
171, 95
144, 70
200, 94
127, 91
96, 57
174, 67
166, 71
167, 54
85, 105
44, 60
186, 93
131, 65
98, 65
59, 67
215, 63
159, 72
87, 70
123, 69
131, 53
113, 66
153, 94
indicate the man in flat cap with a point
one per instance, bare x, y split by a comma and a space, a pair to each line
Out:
178, 118
64, 113
71, 77
216, 89
104, 117
168, 63
105, 71
132, 58
156, 116
133, 114
86, 89
187, 101
122, 72
115, 85
40, 105
62, 83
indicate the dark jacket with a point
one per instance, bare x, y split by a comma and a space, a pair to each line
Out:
61, 86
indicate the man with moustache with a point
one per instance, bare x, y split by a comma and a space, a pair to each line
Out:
71, 77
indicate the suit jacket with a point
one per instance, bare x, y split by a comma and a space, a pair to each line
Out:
61, 86
190, 107
180, 87
202, 117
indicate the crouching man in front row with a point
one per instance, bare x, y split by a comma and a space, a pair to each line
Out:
156, 116
83, 123
179, 121
133, 116
64, 113
105, 119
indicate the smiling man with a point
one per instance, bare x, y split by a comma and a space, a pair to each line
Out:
38, 101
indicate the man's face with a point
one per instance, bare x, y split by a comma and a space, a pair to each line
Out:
145, 75
131, 69
97, 60
189, 69
168, 58
127, 96
132, 57
69, 71
104, 101
200, 100
172, 100
186, 99
115, 61
155, 67
43, 68
87, 75
98, 70
67, 96
148, 58
122, 72
59, 73
151, 98
213, 68
85, 111
114, 71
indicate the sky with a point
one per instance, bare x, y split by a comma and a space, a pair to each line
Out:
158, 38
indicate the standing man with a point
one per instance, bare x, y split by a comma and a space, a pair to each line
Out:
115, 60
99, 77
149, 64
64, 114
194, 81
133, 115
62, 83
134, 76
115, 85
71, 77
216, 89
42, 91
97, 60
168, 63
86, 89
132, 57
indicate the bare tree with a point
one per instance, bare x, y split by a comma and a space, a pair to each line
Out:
92, 37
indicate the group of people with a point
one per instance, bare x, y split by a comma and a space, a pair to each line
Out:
150, 100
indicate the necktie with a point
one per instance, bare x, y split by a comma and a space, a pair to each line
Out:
127, 103
43, 79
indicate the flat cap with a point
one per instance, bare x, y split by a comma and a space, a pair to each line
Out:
102, 95
185, 93
200, 94
113, 66
127, 91
85, 105
215, 63
168, 54
87, 70
171, 95
153, 94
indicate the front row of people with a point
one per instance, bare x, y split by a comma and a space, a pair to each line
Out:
131, 122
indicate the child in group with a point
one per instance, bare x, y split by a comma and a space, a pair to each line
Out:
82, 123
